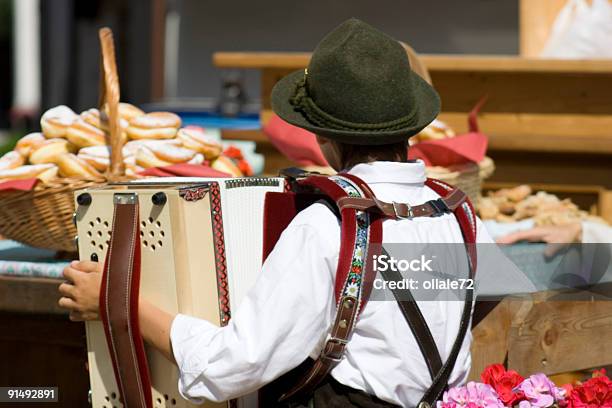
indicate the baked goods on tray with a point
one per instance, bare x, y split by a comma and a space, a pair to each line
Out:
520, 203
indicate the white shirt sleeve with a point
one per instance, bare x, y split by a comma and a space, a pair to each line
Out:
594, 233
281, 321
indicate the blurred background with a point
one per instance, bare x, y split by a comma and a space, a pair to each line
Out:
164, 48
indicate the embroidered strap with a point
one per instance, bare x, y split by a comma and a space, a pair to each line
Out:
119, 305
354, 276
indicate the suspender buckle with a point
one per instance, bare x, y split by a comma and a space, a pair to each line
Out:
439, 207
397, 214
328, 351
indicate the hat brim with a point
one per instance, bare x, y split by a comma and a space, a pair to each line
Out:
428, 108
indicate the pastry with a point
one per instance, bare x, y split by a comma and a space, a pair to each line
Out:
126, 111
487, 208
49, 150
154, 125
226, 165
97, 156
197, 159
146, 158
72, 166
436, 130
170, 153
131, 147
197, 139
44, 172
93, 117
11, 160
24, 145
82, 134
56, 121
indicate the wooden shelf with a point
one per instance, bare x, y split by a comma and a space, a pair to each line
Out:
447, 62
533, 104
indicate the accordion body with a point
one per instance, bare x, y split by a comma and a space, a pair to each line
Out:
201, 244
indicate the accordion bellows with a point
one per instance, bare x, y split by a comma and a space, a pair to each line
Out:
201, 251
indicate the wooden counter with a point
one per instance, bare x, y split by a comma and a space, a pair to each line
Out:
39, 345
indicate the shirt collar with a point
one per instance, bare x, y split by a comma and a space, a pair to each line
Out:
390, 172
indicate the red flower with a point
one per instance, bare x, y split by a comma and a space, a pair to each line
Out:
504, 382
593, 393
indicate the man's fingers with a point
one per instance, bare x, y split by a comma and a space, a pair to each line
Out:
68, 303
76, 317
67, 290
532, 235
71, 274
86, 266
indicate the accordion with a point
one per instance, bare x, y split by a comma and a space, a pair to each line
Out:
196, 245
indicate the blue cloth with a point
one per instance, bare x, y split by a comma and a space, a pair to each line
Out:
22, 260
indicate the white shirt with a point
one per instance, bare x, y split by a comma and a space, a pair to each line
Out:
287, 314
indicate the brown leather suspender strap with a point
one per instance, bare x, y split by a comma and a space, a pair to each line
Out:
119, 305
402, 210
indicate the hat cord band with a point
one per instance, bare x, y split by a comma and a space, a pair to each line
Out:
304, 103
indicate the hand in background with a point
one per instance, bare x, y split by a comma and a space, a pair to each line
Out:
557, 237
81, 292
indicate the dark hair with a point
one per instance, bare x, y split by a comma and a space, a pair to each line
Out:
351, 154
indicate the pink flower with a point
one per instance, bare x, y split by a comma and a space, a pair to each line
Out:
472, 395
540, 392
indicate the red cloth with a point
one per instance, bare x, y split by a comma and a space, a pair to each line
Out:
184, 170
469, 147
296, 143
301, 146
18, 185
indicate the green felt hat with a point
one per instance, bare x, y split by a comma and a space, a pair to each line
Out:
357, 89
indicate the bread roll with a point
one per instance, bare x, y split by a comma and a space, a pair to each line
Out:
154, 125
55, 121
72, 166
82, 134
197, 139
44, 172
11, 160
50, 150
146, 158
126, 111
226, 165
25, 144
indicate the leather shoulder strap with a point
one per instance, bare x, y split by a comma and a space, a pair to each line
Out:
119, 305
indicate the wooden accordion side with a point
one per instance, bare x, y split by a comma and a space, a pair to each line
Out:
201, 249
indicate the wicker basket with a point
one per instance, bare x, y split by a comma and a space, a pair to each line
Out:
43, 217
466, 177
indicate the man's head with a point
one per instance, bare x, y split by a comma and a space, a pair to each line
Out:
358, 90
341, 156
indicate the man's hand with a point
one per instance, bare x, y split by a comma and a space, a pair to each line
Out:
557, 237
81, 292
